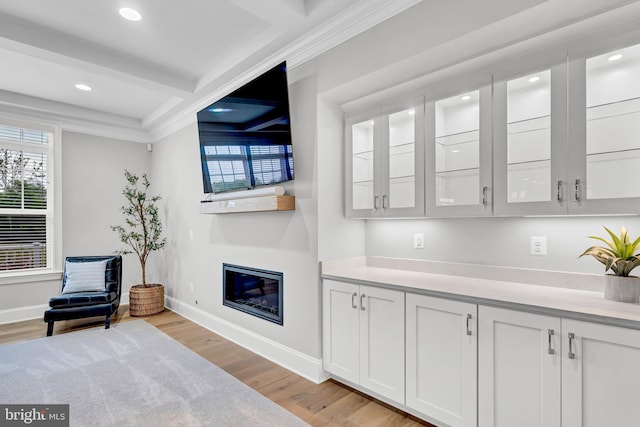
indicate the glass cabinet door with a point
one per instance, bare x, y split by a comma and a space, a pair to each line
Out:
385, 162
459, 131
607, 117
530, 137
362, 178
402, 159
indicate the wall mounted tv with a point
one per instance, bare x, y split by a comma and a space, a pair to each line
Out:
245, 137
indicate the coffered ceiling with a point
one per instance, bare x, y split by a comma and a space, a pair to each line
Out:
143, 74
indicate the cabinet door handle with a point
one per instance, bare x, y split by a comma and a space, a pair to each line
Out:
485, 200
571, 354
353, 300
576, 195
362, 302
376, 202
385, 202
469, 317
550, 333
559, 192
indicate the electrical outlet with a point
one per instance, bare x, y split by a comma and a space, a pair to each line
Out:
191, 287
418, 241
538, 245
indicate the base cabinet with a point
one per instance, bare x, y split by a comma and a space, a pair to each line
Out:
518, 369
537, 370
600, 375
441, 359
363, 337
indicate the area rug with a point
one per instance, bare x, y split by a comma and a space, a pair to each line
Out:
131, 375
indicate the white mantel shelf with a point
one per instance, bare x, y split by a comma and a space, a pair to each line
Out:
249, 204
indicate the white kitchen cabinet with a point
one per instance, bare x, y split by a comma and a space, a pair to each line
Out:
458, 165
600, 375
565, 138
519, 362
530, 128
363, 337
604, 108
385, 162
442, 359
537, 370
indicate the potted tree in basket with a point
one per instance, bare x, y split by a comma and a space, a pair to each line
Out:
142, 232
620, 257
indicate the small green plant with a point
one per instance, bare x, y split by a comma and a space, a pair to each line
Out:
619, 255
143, 228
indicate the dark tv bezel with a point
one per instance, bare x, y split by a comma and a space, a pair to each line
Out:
256, 83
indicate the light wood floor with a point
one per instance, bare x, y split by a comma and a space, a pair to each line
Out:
326, 404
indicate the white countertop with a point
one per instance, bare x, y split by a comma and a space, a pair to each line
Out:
557, 301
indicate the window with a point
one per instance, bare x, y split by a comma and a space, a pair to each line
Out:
26, 197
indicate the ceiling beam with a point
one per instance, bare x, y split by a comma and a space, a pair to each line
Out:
275, 12
25, 37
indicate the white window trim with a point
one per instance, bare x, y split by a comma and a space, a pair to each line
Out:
54, 203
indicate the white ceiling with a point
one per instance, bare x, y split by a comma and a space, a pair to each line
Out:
143, 74
150, 77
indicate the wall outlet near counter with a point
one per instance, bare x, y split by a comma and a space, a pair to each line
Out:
538, 245
418, 241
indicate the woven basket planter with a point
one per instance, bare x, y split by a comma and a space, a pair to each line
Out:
146, 300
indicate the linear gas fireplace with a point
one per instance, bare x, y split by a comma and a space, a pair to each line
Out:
254, 291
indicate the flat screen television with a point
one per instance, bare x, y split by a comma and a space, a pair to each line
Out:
245, 137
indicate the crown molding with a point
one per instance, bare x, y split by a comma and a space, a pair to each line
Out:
73, 118
353, 21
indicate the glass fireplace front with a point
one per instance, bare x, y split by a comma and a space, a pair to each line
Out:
254, 291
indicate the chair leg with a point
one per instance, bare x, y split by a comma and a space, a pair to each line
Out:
49, 328
107, 322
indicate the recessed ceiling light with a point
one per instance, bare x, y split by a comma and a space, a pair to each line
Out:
84, 87
130, 14
466, 98
534, 79
615, 57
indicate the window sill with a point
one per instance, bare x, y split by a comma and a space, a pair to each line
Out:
29, 277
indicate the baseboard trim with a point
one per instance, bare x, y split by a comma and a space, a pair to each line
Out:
293, 360
20, 314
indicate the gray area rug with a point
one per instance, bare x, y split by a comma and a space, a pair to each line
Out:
131, 375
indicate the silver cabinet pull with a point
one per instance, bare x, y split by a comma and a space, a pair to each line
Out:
576, 196
362, 302
469, 317
559, 193
485, 200
376, 202
385, 201
571, 354
550, 333
353, 300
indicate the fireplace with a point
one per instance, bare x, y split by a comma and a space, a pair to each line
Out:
254, 291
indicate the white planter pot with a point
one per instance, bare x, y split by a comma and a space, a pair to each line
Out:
623, 289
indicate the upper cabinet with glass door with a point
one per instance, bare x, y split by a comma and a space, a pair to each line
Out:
530, 125
605, 138
385, 163
458, 135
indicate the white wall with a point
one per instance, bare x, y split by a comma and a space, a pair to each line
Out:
279, 241
498, 241
92, 182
